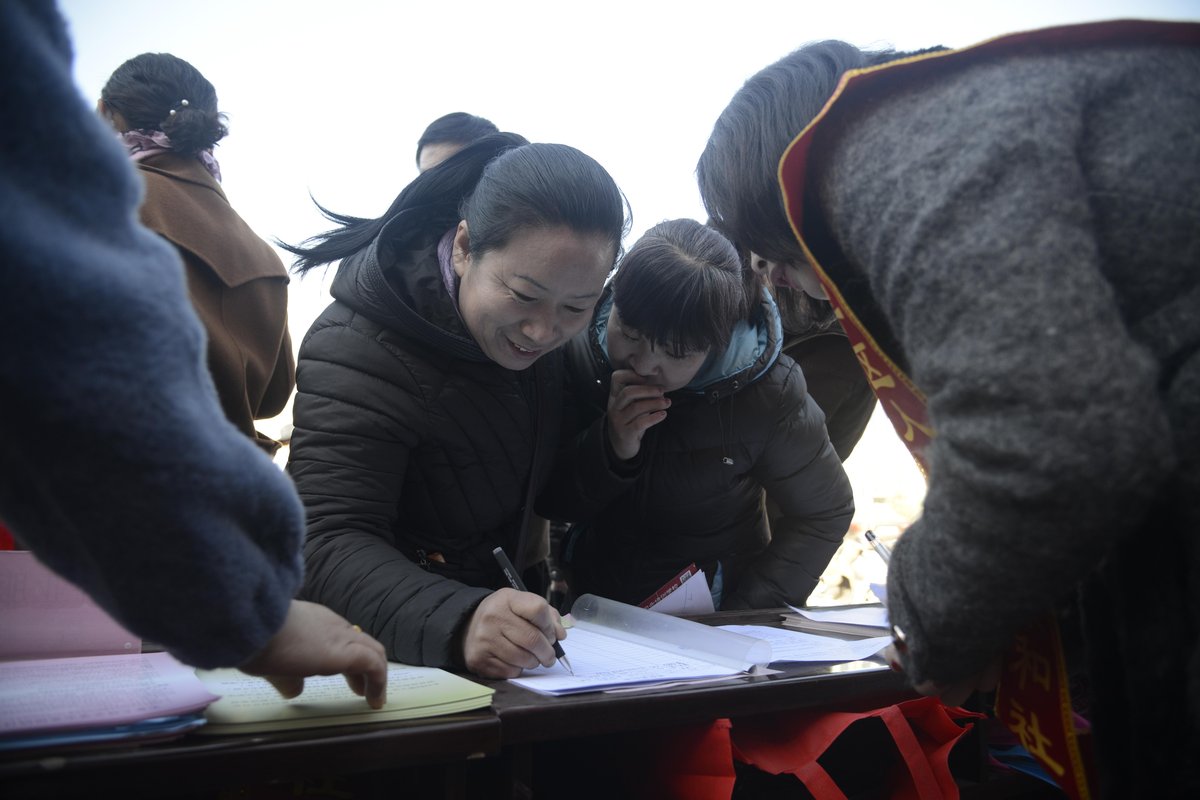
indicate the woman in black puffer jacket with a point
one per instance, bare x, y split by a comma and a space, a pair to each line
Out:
428, 404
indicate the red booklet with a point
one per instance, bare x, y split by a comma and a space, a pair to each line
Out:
695, 599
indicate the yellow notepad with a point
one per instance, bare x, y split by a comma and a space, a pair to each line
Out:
251, 705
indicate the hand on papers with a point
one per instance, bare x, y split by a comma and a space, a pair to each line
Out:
633, 407
951, 694
316, 641
509, 632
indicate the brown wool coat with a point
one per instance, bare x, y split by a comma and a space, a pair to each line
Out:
238, 286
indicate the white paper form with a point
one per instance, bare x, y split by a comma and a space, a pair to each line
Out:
800, 646
876, 616
601, 661
690, 597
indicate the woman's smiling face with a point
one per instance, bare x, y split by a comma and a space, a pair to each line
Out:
524, 299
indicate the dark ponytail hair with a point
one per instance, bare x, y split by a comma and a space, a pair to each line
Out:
149, 92
737, 172
680, 285
500, 184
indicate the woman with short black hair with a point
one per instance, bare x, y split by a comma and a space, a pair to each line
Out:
688, 413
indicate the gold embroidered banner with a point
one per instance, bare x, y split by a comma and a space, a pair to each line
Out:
1033, 700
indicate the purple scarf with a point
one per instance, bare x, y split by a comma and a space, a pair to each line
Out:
140, 144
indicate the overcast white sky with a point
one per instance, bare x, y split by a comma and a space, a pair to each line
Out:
329, 99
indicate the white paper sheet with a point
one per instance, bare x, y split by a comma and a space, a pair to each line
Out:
691, 597
789, 645
861, 615
602, 661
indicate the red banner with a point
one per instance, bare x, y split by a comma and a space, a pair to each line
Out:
1033, 701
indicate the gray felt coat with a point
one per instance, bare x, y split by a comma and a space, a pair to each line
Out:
1023, 235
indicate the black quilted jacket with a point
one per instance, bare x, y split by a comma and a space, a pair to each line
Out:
413, 454
746, 427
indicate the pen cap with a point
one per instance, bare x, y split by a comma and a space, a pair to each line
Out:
683, 635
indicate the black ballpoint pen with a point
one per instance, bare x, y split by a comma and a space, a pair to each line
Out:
515, 581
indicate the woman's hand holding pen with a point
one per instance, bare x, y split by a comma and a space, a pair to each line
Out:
511, 631
633, 407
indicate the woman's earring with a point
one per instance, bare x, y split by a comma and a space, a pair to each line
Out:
759, 265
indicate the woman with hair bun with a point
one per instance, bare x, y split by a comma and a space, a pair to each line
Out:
166, 114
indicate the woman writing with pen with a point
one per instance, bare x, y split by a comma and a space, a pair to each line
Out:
428, 402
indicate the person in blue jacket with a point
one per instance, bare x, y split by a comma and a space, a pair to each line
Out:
118, 468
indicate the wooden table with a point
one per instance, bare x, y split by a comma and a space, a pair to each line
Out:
513, 736
199, 765
538, 729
